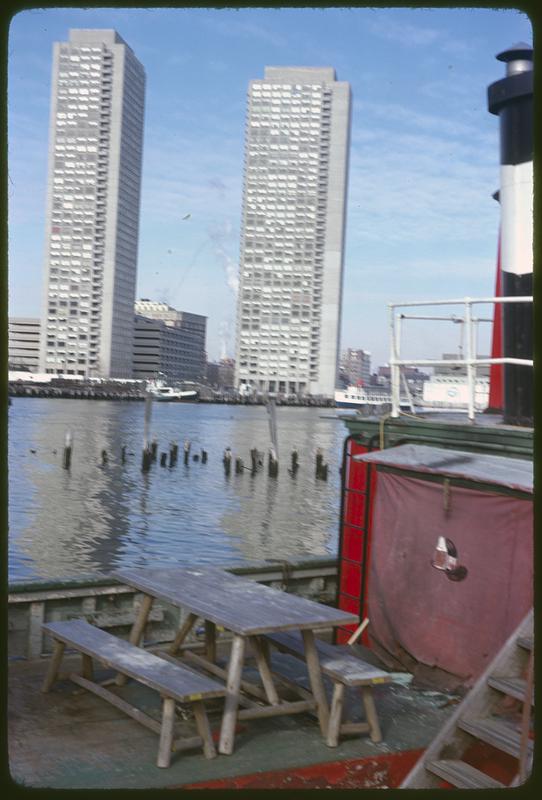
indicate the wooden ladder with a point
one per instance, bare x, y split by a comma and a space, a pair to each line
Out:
487, 715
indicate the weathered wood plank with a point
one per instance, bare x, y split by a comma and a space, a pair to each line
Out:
239, 605
334, 660
134, 662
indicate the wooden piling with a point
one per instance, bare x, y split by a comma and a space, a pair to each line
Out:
226, 460
321, 468
186, 451
254, 460
67, 456
273, 464
154, 450
163, 459
295, 462
123, 455
173, 453
146, 459
104, 458
147, 456
239, 466
204, 456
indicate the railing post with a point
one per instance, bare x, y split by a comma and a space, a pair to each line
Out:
471, 370
394, 368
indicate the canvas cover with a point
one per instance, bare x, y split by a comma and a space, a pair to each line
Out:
417, 614
514, 473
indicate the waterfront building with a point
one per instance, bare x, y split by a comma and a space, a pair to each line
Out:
292, 233
356, 366
221, 373
168, 343
24, 343
93, 198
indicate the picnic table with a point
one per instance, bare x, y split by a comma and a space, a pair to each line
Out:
249, 610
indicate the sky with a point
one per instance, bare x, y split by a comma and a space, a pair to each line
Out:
424, 155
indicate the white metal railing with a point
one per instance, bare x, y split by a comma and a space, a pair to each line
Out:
470, 361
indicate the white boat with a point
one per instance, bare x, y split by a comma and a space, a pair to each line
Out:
359, 397
171, 394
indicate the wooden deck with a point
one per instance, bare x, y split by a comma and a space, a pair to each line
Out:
70, 739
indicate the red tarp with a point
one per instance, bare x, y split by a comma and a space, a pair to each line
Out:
455, 626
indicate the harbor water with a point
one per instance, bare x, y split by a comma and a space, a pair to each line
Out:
102, 514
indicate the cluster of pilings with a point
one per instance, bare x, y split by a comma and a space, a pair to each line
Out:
170, 458
149, 456
257, 463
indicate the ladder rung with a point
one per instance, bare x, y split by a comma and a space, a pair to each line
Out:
513, 687
494, 732
462, 775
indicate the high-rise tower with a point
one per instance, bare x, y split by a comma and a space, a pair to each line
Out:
293, 226
92, 218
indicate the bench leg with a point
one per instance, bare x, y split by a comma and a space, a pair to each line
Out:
370, 713
204, 730
52, 672
87, 670
335, 715
166, 732
233, 685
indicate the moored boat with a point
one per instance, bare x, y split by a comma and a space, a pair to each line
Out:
360, 398
171, 394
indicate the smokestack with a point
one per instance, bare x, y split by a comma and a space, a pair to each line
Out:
511, 99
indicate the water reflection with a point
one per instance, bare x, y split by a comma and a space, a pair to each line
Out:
98, 517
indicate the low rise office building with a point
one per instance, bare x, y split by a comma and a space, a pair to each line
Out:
169, 344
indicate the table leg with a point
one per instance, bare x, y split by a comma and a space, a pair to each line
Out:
137, 630
210, 640
315, 676
233, 684
183, 632
262, 660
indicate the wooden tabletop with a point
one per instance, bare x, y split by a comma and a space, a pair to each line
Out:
238, 604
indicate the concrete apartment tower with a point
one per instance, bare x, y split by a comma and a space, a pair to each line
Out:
92, 217
293, 229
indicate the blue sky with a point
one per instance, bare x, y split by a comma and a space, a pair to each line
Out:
424, 157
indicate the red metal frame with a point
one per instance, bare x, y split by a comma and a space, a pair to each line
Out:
357, 490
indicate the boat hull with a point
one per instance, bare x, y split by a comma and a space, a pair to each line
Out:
193, 397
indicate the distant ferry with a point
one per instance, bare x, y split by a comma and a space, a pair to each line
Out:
171, 394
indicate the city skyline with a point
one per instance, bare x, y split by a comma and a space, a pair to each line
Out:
424, 156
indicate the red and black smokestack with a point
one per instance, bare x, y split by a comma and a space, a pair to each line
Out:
512, 100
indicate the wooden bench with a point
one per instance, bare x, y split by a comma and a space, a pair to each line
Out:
173, 681
344, 669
